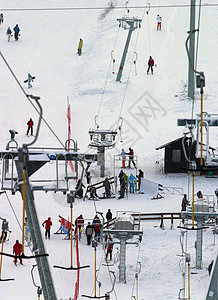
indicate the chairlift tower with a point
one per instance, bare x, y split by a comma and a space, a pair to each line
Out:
102, 139
131, 24
123, 230
201, 215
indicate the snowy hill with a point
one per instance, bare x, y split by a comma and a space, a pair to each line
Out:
149, 105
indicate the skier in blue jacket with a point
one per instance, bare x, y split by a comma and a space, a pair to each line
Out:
16, 32
132, 180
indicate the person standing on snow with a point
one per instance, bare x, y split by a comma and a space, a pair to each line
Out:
5, 229
131, 157
80, 47
123, 154
96, 224
159, 21
132, 180
109, 246
140, 176
185, 202
1, 18
89, 232
107, 187
17, 250
150, 65
78, 224
8, 33
48, 224
109, 215
30, 127
16, 32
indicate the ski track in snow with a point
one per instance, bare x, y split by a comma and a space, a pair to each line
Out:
47, 48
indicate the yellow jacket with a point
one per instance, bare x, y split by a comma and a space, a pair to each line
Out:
80, 44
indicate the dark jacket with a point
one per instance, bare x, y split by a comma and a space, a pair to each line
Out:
16, 29
109, 215
151, 62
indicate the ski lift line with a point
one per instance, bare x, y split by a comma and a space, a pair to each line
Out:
106, 80
196, 54
133, 287
148, 21
105, 7
28, 97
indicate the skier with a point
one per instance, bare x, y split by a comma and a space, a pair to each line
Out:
131, 157
96, 224
1, 18
150, 65
88, 177
109, 246
132, 180
89, 232
123, 154
107, 187
13, 132
159, 21
5, 229
17, 250
79, 222
48, 224
8, 33
140, 176
121, 176
80, 47
16, 32
29, 80
185, 202
109, 215
79, 188
123, 186
30, 127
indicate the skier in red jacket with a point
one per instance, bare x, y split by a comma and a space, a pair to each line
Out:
17, 250
30, 127
48, 224
150, 65
79, 223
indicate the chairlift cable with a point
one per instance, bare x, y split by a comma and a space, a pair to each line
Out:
148, 21
196, 55
112, 60
136, 269
124, 96
27, 96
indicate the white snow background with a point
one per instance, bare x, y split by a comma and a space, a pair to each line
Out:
47, 49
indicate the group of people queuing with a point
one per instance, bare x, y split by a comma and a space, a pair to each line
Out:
129, 182
92, 229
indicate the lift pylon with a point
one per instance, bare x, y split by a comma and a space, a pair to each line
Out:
131, 24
